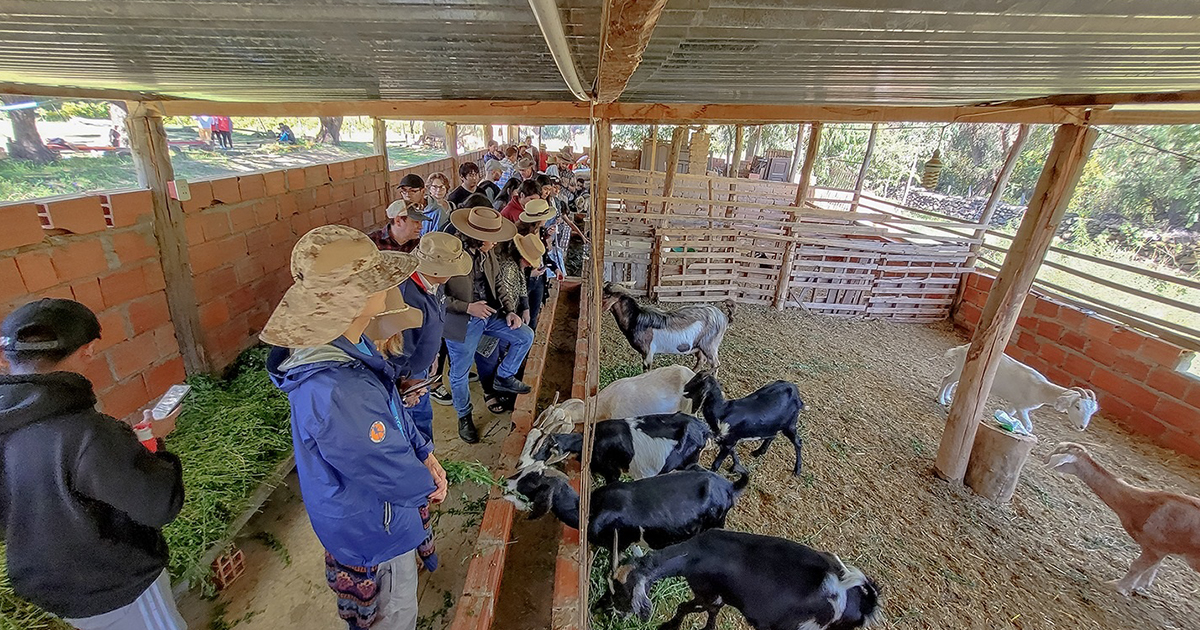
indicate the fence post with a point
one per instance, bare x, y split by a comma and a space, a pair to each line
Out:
862, 170
677, 137
152, 160
739, 133
452, 149
802, 189
1062, 171
653, 148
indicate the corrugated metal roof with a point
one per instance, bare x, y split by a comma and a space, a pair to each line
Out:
716, 51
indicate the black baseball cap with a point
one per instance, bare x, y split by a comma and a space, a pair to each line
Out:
49, 324
412, 180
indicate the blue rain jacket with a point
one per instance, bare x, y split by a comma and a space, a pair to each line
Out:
358, 454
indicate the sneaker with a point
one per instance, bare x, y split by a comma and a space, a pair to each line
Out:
510, 385
441, 396
473, 377
467, 430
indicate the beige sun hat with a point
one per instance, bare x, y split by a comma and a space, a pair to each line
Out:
441, 255
484, 224
336, 270
536, 210
566, 155
531, 247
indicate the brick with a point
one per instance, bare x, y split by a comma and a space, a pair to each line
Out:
202, 197
276, 182
1073, 340
1126, 339
241, 219
22, 226
566, 580
316, 175
226, 190
295, 178
1141, 423
1046, 309
37, 272
1079, 366
133, 356
213, 284
87, 292
214, 314
162, 376
193, 228
1053, 354
306, 200
266, 211
80, 259
1104, 354
1027, 342
984, 282
154, 277
252, 186
127, 208
1193, 396
258, 240
134, 246
148, 313
1097, 329
215, 224
99, 373
209, 256
11, 284
1174, 413
164, 341
241, 299
124, 285
113, 328
125, 398
1181, 443
1135, 369
79, 215
1071, 318
1159, 352
1049, 330
287, 205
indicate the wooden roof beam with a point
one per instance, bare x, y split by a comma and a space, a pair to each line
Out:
630, 23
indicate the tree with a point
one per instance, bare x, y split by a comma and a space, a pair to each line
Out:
27, 142
331, 130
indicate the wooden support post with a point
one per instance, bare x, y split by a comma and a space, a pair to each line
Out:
452, 149
739, 133
795, 161
802, 188
677, 138
511, 133
862, 170
653, 148
488, 135
152, 160
1062, 171
379, 140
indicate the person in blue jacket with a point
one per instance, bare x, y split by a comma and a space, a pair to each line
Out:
367, 475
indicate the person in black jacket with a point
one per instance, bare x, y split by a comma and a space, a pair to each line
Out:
82, 501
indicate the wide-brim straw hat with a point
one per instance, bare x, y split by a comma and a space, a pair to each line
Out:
483, 224
566, 155
531, 248
336, 270
441, 255
536, 210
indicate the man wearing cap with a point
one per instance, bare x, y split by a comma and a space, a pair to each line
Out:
564, 161
405, 220
367, 474
84, 502
526, 168
440, 256
474, 310
526, 192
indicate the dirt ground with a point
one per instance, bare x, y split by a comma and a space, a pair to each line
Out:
944, 557
284, 584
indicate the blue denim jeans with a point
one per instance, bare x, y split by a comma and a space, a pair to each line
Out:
422, 412
462, 355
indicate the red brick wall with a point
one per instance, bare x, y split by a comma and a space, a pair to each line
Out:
1133, 373
100, 250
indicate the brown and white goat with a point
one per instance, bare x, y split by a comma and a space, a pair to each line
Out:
1162, 523
696, 329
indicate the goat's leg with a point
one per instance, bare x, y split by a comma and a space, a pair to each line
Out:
1143, 563
714, 611
1147, 580
794, 435
724, 452
943, 396
762, 448
648, 359
686, 608
737, 466
1023, 414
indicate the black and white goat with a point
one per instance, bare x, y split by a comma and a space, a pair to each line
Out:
643, 447
775, 583
658, 511
651, 330
774, 408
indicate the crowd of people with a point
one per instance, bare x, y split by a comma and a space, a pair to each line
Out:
360, 345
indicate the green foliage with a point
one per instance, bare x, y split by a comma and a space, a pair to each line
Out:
74, 109
460, 472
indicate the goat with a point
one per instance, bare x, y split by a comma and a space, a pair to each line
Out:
775, 583
1162, 523
1025, 389
774, 408
658, 391
645, 446
659, 511
696, 329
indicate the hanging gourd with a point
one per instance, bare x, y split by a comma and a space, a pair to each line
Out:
933, 170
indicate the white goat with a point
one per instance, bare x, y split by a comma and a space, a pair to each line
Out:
1024, 389
657, 391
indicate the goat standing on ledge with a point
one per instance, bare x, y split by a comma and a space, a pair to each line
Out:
775, 408
775, 583
1162, 523
694, 330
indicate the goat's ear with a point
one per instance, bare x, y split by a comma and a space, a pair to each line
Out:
622, 573
1061, 459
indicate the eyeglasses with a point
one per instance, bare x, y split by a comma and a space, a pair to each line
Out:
436, 187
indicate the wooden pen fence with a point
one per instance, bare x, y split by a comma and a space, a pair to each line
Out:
718, 238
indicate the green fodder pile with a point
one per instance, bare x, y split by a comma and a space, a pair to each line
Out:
945, 557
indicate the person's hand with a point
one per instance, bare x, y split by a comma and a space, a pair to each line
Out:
536, 273
412, 398
480, 309
513, 320
161, 428
439, 477
525, 317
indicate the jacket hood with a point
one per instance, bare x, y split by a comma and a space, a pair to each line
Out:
289, 368
26, 399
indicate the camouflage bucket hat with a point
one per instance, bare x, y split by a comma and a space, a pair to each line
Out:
336, 270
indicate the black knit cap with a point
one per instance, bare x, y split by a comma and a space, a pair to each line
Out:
53, 324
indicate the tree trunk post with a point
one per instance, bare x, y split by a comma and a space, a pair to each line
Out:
488, 135
452, 149
1062, 171
653, 148
739, 134
997, 459
379, 136
677, 137
802, 189
862, 170
152, 160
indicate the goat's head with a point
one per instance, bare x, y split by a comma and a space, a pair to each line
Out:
1079, 404
629, 593
532, 488
859, 595
1066, 457
613, 292
700, 387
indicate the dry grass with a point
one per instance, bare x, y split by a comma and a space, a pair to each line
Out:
945, 557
